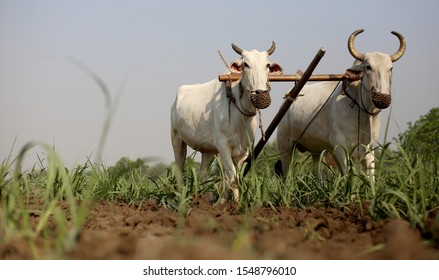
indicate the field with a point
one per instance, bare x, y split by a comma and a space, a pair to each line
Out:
136, 211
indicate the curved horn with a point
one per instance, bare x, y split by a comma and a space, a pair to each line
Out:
237, 49
402, 45
351, 47
272, 48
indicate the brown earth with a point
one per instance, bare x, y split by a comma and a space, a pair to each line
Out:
146, 231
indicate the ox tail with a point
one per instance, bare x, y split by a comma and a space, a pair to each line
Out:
278, 168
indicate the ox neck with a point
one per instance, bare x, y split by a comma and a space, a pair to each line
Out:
361, 97
241, 100
367, 115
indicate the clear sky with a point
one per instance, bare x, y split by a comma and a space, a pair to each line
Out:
153, 47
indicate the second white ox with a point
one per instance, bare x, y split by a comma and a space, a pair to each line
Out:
212, 121
341, 118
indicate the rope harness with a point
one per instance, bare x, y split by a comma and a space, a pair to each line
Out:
362, 107
232, 99
355, 76
296, 144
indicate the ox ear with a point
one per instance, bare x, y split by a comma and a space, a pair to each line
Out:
236, 66
276, 69
356, 69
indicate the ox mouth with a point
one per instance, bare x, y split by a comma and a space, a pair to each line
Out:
260, 100
381, 100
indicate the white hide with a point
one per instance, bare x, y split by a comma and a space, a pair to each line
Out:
325, 118
339, 123
203, 118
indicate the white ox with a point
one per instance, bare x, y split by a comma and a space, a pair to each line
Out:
344, 119
204, 118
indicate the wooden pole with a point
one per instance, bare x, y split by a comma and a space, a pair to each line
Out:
294, 92
292, 78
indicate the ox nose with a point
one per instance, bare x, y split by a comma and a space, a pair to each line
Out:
260, 91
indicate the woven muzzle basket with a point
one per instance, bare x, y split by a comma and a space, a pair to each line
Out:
380, 100
261, 100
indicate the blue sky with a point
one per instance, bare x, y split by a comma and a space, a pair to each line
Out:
153, 47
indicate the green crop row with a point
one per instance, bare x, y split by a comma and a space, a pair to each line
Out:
404, 187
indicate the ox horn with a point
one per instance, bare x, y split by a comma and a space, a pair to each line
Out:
351, 47
237, 49
402, 45
272, 48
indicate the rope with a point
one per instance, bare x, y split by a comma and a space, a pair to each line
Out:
260, 125
260, 113
225, 63
287, 96
313, 118
361, 107
232, 99
354, 100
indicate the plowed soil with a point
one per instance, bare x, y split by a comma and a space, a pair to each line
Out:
147, 231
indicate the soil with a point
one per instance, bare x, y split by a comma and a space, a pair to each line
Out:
147, 231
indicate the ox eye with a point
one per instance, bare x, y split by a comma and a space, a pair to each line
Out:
246, 65
369, 68
268, 65
391, 69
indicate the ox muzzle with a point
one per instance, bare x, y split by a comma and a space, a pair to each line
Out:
381, 100
261, 99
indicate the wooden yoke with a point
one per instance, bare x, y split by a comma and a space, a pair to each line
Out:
294, 77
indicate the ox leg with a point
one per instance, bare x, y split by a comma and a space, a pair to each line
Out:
180, 150
285, 158
340, 154
369, 165
231, 182
316, 165
286, 153
206, 160
230, 173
